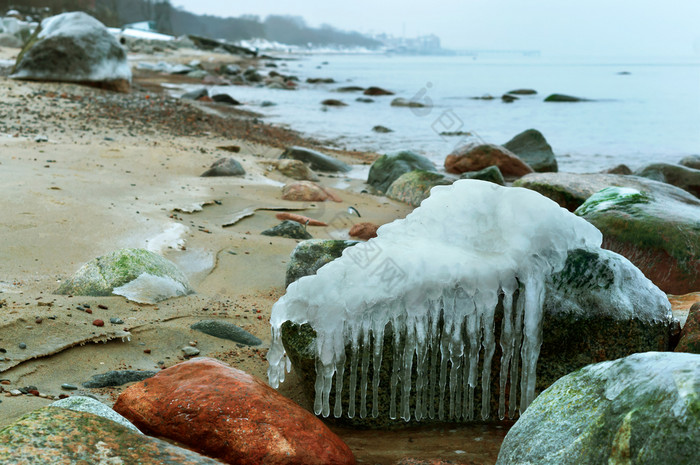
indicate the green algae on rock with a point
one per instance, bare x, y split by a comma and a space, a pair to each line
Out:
58, 435
414, 187
308, 256
103, 275
658, 229
388, 168
643, 409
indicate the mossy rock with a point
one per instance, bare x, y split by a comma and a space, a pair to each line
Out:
490, 174
308, 256
643, 409
289, 229
533, 148
100, 276
58, 435
388, 168
657, 229
414, 187
592, 313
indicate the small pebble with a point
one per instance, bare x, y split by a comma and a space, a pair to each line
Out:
38, 321
98, 323
116, 321
193, 343
190, 351
146, 351
63, 396
22, 345
15, 392
68, 387
103, 307
87, 310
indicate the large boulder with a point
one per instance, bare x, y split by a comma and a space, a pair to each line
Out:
570, 190
599, 307
533, 149
643, 409
681, 176
477, 157
414, 187
657, 227
58, 435
316, 160
74, 47
387, 168
225, 413
691, 161
137, 274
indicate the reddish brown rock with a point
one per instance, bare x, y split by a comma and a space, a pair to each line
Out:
225, 413
690, 334
475, 158
307, 191
364, 231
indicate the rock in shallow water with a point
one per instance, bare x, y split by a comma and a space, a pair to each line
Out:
643, 409
478, 157
226, 413
533, 149
681, 176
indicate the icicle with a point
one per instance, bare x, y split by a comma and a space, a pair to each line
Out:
507, 343
354, 351
365, 368
378, 332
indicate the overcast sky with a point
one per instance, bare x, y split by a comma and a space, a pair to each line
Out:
581, 27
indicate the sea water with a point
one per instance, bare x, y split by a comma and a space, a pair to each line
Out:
641, 110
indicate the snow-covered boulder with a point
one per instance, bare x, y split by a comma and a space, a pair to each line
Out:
436, 279
643, 410
74, 47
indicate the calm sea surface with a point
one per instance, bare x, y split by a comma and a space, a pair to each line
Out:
642, 110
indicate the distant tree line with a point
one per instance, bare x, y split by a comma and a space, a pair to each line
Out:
170, 20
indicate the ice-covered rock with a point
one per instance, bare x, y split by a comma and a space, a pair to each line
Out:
643, 409
137, 274
436, 277
74, 47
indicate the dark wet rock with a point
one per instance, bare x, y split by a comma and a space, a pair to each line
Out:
117, 378
599, 307
267, 103
382, 129
691, 161
364, 100
374, 91
225, 167
225, 98
508, 98
226, 330
490, 174
642, 409
387, 168
58, 435
414, 187
690, 334
681, 176
309, 256
350, 89
226, 413
619, 169
564, 98
477, 157
320, 80
100, 276
90, 405
316, 160
402, 102
522, 92
195, 94
74, 47
331, 102
484, 97
288, 228
656, 226
533, 149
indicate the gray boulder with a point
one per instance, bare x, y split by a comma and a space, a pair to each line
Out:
532, 147
643, 409
691, 161
225, 167
681, 176
114, 272
74, 47
316, 160
387, 168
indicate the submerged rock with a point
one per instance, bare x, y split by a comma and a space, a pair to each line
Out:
478, 157
226, 330
74, 47
226, 413
533, 149
59, 435
374, 91
656, 227
288, 228
150, 276
564, 98
402, 102
681, 176
691, 161
388, 168
522, 92
90, 405
308, 256
382, 129
643, 409
225, 167
331, 102
414, 187
316, 160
